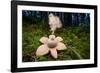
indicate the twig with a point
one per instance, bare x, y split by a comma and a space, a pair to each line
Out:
78, 55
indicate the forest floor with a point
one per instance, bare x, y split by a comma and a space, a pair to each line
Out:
75, 38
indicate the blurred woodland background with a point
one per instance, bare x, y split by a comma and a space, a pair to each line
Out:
75, 32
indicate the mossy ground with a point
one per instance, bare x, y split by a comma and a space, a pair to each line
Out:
76, 39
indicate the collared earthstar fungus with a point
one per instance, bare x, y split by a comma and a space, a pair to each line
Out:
52, 43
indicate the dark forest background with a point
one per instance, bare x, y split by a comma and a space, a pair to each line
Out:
75, 32
75, 19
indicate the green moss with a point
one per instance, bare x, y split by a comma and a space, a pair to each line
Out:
76, 39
